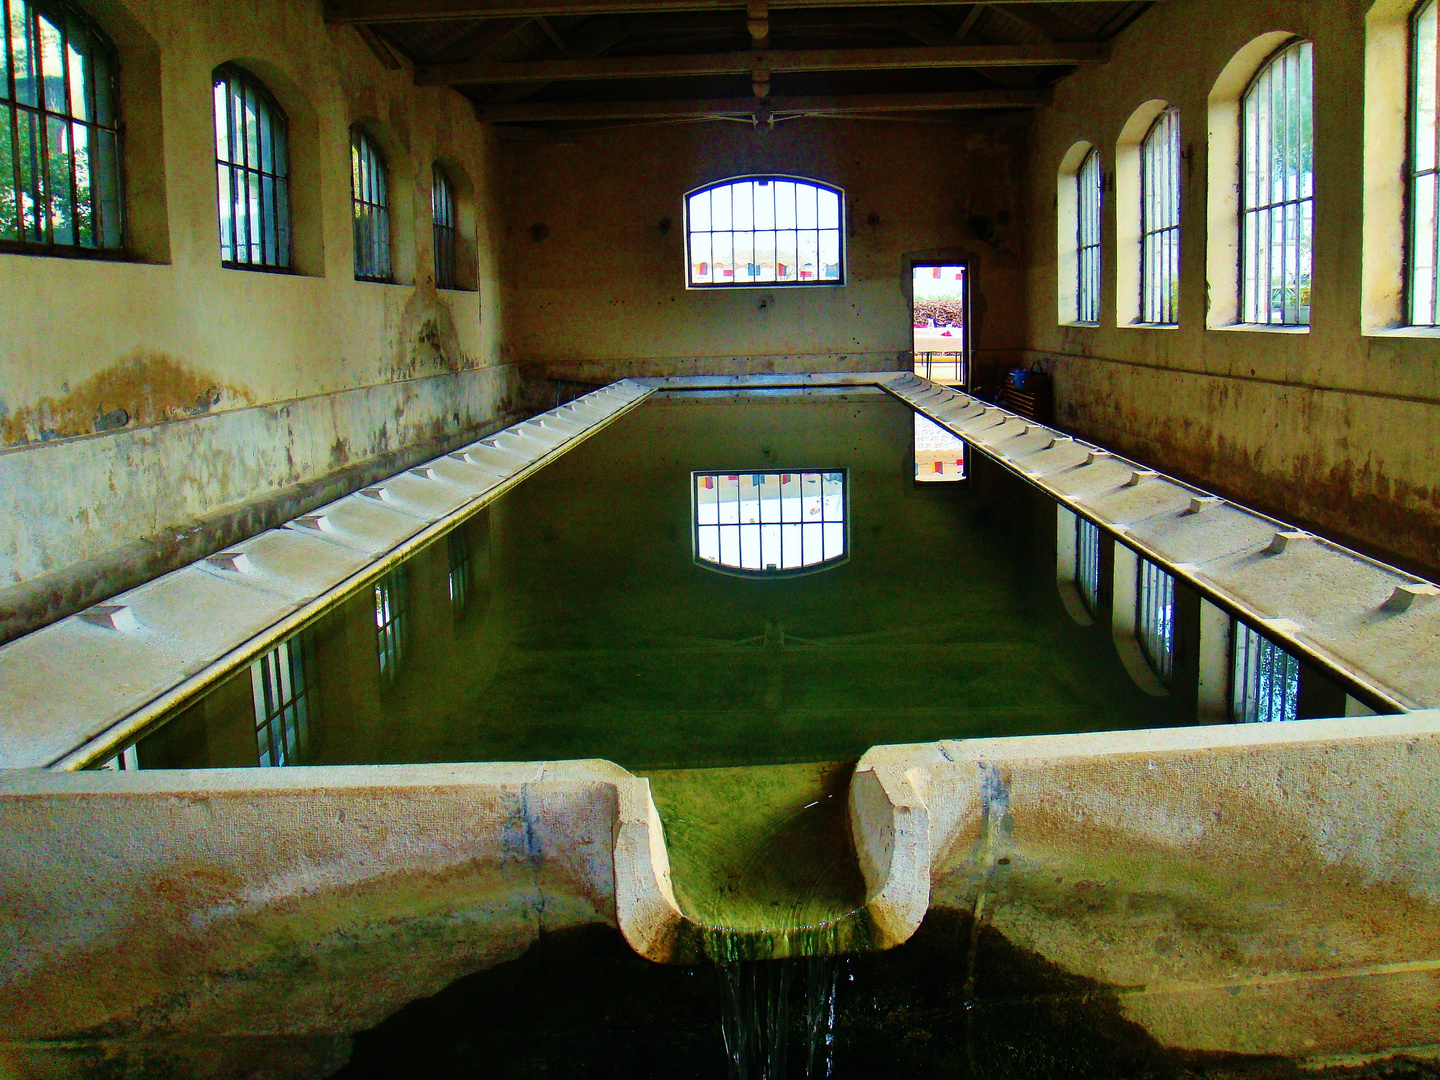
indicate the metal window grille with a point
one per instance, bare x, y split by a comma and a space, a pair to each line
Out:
59, 130
765, 230
461, 574
1155, 618
369, 186
128, 760
392, 623
1277, 215
1087, 239
770, 522
442, 214
283, 683
1160, 221
1423, 284
1264, 679
1087, 563
252, 169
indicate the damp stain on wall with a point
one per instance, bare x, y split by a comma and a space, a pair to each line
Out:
143, 389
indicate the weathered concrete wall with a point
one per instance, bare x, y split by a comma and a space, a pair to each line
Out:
1335, 427
167, 390
1259, 889
596, 246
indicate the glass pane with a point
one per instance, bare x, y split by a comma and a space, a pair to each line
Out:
52, 64
107, 185
22, 45
764, 205
743, 205
829, 209
720, 206
222, 121
104, 86
700, 212
75, 49
58, 181
227, 217
700, 261
84, 217
829, 255
784, 203
9, 205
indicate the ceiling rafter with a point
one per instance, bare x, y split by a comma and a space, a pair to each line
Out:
852, 105
785, 60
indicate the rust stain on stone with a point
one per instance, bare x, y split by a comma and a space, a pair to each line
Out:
141, 390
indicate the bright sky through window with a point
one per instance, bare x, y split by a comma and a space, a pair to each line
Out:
771, 521
765, 230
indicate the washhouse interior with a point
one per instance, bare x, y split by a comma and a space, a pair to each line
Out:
751, 538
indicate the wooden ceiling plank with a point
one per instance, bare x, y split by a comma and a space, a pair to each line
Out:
742, 63
851, 105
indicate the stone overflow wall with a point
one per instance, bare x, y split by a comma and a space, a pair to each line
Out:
1241, 888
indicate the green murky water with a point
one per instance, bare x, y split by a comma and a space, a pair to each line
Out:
572, 620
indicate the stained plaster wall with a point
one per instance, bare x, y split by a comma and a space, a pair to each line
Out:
1336, 427
596, 247
156, 408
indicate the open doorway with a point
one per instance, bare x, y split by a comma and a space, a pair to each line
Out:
939, 308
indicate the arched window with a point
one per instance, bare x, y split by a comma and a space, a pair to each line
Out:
369, 188
1160, 221
1277, 197
442, 214
59, 131
765, 230
252, 166
1423, 288
770, 522
1088, 182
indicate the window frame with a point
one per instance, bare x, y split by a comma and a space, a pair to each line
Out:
1412, 174
444, 234
1244, 314
234, 73
1155, 627
366, 211
1168, 116
70, 16
1086, 572
1089, 316
715, 566
275, 676
768, 178
1241, 633
392, 624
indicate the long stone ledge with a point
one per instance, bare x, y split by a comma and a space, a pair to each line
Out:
77, 690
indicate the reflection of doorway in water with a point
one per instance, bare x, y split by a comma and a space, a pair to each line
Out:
939, 306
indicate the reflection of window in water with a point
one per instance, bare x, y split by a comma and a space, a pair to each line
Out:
771, 521
392, 623
1155, 618
939, 455
1264, 679
282, 681
1087, 563
461, 573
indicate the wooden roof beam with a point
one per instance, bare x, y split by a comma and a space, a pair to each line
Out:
852, 105
747, 63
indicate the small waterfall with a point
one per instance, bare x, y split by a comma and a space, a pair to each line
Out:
763, 1033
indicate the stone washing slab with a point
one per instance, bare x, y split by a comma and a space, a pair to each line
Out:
75, 691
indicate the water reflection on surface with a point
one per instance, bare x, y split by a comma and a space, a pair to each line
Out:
571, 619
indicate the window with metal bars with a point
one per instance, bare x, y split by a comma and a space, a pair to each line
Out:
59, 132
770, 522
461, 574
392, 623
1264, 679
1277, 214
442, 215
765, 230
252, 171
369, 187
1088, 182
1160, 221
1155, 618
283, 684
1423, 241
1087, 563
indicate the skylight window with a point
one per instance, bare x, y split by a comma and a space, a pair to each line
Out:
765, 230
770, 522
